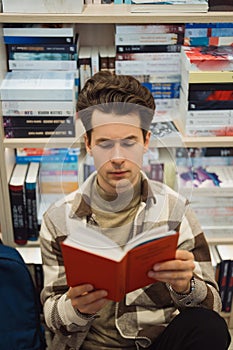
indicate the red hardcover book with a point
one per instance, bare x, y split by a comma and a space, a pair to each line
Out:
91, 257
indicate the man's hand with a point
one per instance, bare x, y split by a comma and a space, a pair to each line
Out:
87, 300
177, 273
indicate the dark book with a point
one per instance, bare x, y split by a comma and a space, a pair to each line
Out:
211, 105
36, 121
148, 48
210, 87
32, 200
220, 5
66, 48
225, 253
18, 203
28, 40
57, 131
210, 95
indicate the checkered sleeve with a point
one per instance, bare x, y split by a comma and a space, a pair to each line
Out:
59, 314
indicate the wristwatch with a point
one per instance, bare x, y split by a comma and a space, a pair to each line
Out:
192, 287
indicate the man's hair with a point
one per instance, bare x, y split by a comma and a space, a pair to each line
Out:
118, 94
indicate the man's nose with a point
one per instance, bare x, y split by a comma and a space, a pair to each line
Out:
117, 152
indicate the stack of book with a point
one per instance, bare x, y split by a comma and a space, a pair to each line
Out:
155, 6
208, 34
206, 98
38, 94
151, 53
30, 94
222, 258
41, 47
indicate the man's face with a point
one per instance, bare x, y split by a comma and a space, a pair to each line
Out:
117, 147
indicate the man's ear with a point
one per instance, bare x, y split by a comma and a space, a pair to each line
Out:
147, 141
87, 145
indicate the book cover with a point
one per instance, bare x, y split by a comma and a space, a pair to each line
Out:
207, 58
32, 200
38, 85
18, 203
108, 266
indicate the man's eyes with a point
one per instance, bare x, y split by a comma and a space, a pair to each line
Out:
107, 144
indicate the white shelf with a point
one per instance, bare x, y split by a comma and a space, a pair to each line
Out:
110, 13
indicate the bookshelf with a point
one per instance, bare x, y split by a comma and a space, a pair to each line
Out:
98, 19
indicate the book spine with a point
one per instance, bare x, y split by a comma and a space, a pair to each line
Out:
147, 48
166, 57
31, 203
38, 94
210, 86
38, 108
210, 114
206, 41
39, 31
222, 278
207, 120
16, 121
227, 302
41, 56
210, 105
42, 48
162, 87
28, 40
208, 25
42, 65
210, 95
18, 212
49, 160
205, 130
198, 77
144, 67
39, 132
150, 28
146, 39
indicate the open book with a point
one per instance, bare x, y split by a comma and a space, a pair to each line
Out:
91, 257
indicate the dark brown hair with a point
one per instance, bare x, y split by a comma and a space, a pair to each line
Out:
121, 94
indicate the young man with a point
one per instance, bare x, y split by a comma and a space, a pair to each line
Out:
180, 310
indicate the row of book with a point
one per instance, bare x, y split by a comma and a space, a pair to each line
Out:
223, 262
39, 178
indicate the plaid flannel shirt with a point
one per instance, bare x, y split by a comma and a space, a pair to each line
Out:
143, 314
